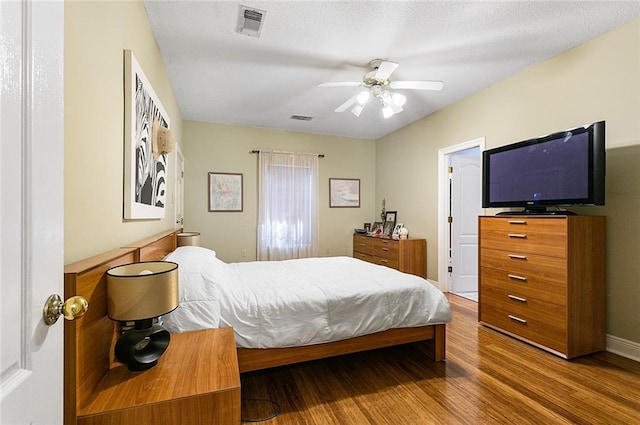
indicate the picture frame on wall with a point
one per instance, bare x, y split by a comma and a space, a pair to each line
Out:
344, 193
225, 192
145, 174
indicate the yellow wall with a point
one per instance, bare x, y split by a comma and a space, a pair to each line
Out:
221, 148
599, 80
96, 33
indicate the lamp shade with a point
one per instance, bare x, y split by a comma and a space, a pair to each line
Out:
189, 239
139, 291
162, 140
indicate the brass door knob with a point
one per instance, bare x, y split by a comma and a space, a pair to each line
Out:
71, 309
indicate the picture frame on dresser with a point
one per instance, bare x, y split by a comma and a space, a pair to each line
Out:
389, 223
376, 228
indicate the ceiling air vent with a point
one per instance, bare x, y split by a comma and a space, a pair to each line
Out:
301, 117
250, 21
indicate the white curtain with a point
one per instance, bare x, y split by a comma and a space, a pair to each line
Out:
287, 205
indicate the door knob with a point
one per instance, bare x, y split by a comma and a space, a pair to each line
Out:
71, 309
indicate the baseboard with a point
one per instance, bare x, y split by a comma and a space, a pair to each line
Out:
623, 347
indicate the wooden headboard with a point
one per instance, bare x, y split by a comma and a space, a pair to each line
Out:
88, 341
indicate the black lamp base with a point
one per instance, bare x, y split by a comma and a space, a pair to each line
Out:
140, 349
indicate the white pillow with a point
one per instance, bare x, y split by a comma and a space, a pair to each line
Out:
199, 274
190, 255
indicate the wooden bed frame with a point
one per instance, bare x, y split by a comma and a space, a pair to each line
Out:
88, 341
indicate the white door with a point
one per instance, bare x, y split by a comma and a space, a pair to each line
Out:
466, 193
31, 210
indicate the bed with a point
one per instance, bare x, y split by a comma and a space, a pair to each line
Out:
89, 341
298, 303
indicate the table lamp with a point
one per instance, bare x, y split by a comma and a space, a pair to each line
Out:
189, 239
137, 294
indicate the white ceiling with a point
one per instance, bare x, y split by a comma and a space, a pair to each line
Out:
221, 76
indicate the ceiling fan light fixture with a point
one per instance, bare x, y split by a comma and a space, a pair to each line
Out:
363, 97
377, 82
399, 99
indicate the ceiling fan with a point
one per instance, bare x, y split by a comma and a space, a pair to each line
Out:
378, 84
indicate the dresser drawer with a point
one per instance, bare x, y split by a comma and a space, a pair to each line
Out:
394, 263
526, 265
386, 248
363, 244
363, 256
544, 236
538, 321
524, 286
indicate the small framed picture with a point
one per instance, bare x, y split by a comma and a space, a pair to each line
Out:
367, 227
225, 192
376, 229
396, 230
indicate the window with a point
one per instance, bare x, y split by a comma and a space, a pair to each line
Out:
287, 205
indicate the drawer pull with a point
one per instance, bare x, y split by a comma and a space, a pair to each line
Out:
516, 277
513, 297
517, 235
382, 260
385, 249
517, 257
516, 318
517, 221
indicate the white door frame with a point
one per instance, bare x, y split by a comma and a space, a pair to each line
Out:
443, 205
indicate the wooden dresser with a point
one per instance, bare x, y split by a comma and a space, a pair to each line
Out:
542, 280
406, 255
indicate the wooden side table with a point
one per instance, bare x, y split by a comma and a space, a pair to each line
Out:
196, 381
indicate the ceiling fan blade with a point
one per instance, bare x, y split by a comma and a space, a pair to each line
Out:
417, 85
341, 84
346, 104
385, 70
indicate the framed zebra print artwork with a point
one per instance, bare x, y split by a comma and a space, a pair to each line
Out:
145, 176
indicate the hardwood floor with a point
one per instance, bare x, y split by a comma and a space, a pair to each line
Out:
488, 378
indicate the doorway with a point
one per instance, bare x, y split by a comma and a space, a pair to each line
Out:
460, 176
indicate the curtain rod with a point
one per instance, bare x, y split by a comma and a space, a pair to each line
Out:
320, 155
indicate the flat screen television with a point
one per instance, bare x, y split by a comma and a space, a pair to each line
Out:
561, 169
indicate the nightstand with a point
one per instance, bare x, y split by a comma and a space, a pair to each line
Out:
196, 381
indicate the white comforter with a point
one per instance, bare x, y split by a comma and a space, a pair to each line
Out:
299, 302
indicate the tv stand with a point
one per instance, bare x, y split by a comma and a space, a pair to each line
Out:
536, 211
